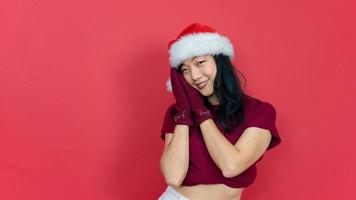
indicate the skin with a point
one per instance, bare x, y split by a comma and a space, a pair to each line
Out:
198, 69
232, 159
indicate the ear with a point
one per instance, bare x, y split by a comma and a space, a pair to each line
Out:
169, 85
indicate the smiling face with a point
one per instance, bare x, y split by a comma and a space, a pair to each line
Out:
200, 73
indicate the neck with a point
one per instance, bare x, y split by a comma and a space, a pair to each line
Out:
213, 99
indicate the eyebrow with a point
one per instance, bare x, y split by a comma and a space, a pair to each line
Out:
193, 58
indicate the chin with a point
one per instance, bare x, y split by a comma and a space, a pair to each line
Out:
206, 93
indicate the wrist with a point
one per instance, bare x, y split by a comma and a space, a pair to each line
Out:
183, 118
202, 115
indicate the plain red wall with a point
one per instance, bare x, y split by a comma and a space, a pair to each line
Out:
83, 93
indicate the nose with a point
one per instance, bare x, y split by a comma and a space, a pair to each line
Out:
195, 73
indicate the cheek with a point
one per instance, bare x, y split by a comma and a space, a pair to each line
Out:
212, 78
212, 73
211, 70
187, 79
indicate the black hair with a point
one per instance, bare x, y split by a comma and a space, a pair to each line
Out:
227, 88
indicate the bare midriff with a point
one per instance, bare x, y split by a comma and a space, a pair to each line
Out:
210, 192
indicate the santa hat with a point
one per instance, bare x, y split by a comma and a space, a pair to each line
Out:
197, 40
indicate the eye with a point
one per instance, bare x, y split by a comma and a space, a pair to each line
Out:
200, 62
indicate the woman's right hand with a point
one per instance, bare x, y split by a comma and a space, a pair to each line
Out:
183, 115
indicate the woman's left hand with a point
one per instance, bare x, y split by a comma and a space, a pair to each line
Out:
201, 112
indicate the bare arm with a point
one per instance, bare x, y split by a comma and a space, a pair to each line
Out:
224, 154
175, 157
234, 159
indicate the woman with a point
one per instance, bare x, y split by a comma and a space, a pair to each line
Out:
214, 133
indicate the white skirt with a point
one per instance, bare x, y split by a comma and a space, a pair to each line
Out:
172, 194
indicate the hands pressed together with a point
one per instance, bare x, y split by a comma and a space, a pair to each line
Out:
189, 102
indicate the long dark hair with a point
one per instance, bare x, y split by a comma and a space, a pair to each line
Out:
227, 88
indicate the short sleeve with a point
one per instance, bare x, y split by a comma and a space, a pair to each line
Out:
264, 116
168, 123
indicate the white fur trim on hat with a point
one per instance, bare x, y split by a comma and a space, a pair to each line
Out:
198, 44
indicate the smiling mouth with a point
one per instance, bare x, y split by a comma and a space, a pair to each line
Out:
202, 84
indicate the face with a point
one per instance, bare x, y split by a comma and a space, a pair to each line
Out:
200, 73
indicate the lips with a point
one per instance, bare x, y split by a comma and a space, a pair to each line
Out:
202, 84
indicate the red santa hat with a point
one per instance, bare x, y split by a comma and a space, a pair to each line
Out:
197, 40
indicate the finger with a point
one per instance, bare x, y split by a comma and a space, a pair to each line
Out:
187, 87
174, 77
176, 84
183, 81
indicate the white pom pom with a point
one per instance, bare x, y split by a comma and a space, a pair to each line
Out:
169, 85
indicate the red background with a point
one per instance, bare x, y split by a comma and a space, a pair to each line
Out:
82, 94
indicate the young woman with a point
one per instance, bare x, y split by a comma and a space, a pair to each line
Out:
214, 133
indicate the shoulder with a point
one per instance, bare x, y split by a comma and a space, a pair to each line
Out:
170, 110
172, 106
262, 114
253, 105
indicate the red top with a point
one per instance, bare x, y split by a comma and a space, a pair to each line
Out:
202, 168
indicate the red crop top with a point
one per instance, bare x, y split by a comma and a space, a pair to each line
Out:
202, 169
